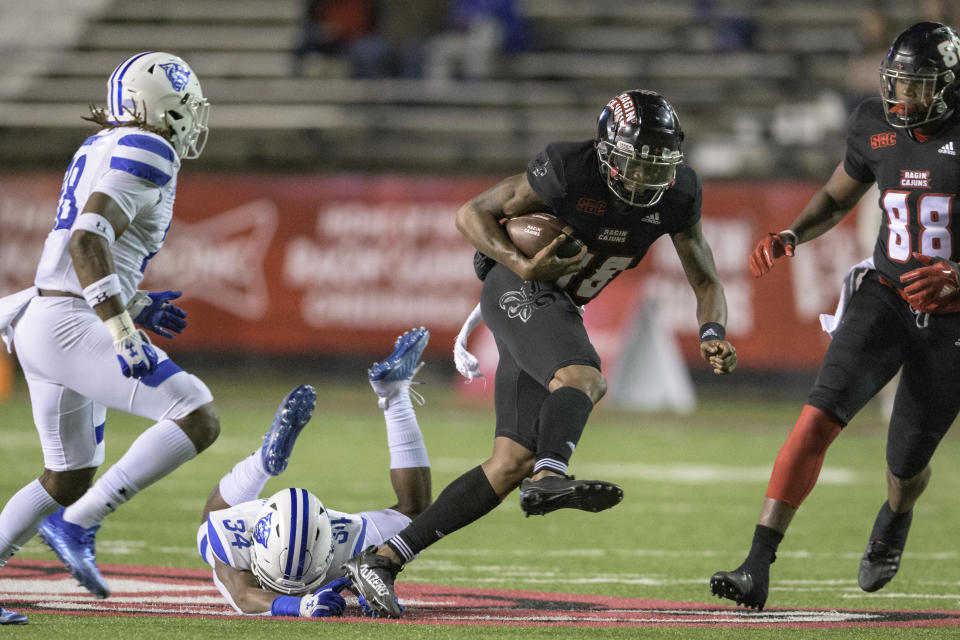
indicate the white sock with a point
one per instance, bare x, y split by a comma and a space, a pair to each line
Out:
20, 517
404, 438
155, 453
245, 481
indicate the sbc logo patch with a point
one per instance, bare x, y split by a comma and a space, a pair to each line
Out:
881, 140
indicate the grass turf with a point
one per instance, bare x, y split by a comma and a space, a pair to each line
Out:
693, 486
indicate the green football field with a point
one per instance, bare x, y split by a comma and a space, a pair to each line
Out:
693, 486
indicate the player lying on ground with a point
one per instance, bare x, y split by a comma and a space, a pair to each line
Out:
282, 555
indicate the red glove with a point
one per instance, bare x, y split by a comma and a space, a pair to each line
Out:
775, 245
933, 286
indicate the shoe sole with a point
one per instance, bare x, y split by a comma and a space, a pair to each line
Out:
722, 588
77, 575
400, 364
352, 571
587, 496
292, 416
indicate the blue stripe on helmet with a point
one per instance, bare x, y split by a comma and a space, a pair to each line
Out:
304, 542
148, 143
141, 170
116, 82
291, 545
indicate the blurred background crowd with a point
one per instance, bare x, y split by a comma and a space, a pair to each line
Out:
345, 133
461, 86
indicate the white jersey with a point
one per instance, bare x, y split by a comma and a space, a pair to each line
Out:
138, 170
227, 534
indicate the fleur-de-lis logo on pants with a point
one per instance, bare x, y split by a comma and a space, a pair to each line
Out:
521, 304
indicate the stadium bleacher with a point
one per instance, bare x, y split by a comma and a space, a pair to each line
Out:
737, 103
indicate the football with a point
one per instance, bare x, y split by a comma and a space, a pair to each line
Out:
533, 231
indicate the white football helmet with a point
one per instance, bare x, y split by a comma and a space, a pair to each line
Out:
164, 91
292, 542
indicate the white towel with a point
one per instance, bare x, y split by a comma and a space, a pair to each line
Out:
851, 282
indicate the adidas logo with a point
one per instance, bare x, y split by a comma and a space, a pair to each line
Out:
654, 218
709, 333
948, 149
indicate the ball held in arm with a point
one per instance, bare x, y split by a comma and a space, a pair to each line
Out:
533, 231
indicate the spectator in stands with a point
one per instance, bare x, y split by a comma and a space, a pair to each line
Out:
396, 46
330, 26
477, 34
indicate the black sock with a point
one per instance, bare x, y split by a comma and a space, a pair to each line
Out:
468, 498
891, 528
563, 415
764, 546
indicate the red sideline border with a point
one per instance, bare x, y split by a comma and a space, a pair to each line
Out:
42, 586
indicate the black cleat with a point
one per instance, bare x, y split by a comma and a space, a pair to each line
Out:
743, 587
878, 566
371, 577
539, 497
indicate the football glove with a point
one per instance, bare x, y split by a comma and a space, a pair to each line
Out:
325, 601
136, 355
775, 245
933, 286
153, 311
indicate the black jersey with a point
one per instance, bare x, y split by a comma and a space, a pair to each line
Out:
566, 175
919, 184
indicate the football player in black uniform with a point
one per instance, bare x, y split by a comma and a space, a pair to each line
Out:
904, 312
617, 193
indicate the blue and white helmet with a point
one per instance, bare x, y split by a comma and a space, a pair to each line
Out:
292, 542
163, 90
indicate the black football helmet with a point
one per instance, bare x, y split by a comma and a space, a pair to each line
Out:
918, 79
638, 144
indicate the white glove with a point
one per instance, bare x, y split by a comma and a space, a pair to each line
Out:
136, 355
467, 363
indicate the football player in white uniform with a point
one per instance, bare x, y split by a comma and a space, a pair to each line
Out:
75, 331
282, 555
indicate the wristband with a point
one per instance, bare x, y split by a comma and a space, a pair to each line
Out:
792, 234
285, 606
102, 290
120, 326
712, 331
96, 224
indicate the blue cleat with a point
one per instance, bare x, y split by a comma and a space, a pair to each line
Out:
390, 378
292, 416
11, 617
74, 545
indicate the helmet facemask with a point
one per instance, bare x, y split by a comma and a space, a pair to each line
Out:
913, 98
639, 179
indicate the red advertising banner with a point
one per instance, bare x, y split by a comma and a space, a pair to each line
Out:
336, 265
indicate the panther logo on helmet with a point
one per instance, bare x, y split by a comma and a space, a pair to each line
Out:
261, 532
176, 74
